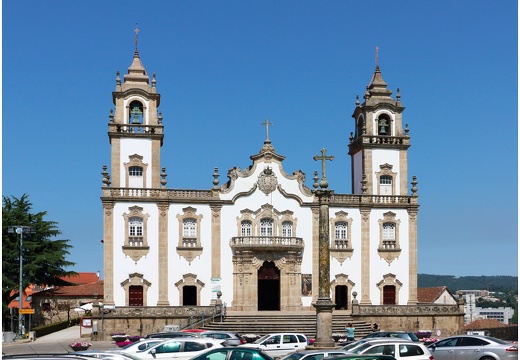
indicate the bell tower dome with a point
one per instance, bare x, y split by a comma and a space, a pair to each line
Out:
135, 129
379, 145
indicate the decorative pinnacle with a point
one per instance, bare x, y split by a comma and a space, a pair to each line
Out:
267, 124
136, 36
323, 183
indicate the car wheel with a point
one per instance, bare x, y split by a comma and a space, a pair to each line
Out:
487, 358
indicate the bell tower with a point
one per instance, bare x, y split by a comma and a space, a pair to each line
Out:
379, 145
135, 130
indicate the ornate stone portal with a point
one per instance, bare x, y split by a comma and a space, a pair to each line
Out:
267, 276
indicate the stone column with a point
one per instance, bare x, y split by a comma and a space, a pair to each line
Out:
215, 247
365, 257
412, 235
163, 254
108, 253
324, 304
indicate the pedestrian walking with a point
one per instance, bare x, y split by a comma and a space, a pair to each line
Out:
350, 332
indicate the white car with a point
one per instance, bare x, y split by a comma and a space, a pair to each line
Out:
401, 350
179, 349
137, 346
279, 344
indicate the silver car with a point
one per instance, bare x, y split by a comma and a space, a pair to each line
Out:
473, 347
403, 349
230, 338
313, 354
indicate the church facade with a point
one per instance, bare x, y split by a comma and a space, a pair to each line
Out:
253, 239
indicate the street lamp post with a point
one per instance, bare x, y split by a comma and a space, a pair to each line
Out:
20, 230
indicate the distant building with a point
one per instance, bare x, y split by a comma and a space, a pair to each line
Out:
59, 303
435, 295
476, 293
502, 314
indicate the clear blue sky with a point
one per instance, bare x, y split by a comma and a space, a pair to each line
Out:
224, 66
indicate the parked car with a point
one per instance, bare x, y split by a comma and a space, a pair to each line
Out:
137, 346
233, 353
279, 344
172, 334
230, 338
406, 350
473, 347
360, 357
100, 354
355, 344
393, 334
313, 354
180, 348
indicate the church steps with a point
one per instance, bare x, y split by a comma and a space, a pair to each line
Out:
302, 322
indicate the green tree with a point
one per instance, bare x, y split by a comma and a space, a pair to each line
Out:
44, 259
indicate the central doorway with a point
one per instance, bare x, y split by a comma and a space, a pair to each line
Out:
341, 297
268, 287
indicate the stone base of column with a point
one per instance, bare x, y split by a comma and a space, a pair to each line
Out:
324, 308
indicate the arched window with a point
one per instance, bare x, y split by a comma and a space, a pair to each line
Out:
246, 228
136, 113
266, 227
388, 231
135, 231
340, 230
287, 228
189, 228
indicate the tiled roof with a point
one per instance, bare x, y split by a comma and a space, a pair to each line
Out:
430, 294
82, 278
30, 290
484, 324
93, 290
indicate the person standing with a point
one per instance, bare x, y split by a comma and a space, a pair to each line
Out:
350, 332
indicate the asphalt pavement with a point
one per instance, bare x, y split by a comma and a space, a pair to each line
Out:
57, 342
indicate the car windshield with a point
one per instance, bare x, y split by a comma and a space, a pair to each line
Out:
360, 348
353, 344
262, 339
294, 356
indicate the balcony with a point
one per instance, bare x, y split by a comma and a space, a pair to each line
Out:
272, 243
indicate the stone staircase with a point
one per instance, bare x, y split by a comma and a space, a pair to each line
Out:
265, 322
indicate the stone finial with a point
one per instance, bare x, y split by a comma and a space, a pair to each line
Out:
414, 185
111, 115
159, 117
163, 177
215, 179
315, 185
106, 177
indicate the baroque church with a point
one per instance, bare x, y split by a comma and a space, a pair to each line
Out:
231, 242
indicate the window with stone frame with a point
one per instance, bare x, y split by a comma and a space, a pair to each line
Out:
190, 244
341, 240
385, 180
135, 221
389, 232
135, 171
266, 227
341, 225
189, 232
135, 243
287, 227
135, 231
246, 228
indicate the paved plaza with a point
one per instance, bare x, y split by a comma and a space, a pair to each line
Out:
57, 342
